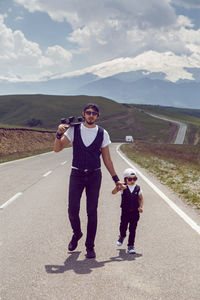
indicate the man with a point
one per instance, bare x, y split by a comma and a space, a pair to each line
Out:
89, 142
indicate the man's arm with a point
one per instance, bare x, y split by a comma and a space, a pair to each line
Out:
61, 143
108, 162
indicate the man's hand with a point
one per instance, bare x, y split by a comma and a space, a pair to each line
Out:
62, 128
61, 141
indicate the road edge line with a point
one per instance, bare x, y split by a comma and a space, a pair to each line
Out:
181, 214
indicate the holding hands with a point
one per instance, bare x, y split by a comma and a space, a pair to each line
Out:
119, 187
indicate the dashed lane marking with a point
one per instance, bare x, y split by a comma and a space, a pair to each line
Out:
47, 173
15, 197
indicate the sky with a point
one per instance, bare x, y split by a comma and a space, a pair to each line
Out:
47, 39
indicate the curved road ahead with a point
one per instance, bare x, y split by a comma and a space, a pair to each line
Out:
35, 231
181, 131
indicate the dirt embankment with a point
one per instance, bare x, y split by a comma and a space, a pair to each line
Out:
13, 141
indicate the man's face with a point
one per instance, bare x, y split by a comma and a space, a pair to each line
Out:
90, 116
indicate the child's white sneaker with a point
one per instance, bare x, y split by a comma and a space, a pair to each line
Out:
131, 250
120, 241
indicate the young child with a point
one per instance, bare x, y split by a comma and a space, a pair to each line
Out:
131, 205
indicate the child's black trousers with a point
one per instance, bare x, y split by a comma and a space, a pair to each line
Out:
131, 219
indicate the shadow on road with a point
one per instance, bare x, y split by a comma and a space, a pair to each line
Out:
87, 265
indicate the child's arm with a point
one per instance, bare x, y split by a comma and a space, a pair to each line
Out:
119, 188
141, 202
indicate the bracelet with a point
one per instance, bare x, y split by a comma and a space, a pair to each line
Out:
115, 178
59, 135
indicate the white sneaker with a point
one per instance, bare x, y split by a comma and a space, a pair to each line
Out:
131, 250
120, 241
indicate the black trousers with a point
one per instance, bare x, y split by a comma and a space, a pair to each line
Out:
91, 182
131, 219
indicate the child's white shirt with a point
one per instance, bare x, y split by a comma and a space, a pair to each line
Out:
88, 135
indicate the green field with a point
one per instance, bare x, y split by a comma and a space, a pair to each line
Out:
20, 109
189, 116
45, 111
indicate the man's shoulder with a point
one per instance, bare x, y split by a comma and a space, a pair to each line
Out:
101, 129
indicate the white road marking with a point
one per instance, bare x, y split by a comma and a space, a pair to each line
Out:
63, 163
47, 173
183, 215
11, 200
19, 194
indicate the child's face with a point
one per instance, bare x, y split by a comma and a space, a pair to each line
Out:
130, 180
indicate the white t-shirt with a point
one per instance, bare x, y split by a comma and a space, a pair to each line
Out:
88, 135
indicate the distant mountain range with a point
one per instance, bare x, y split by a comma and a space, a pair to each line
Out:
137, 87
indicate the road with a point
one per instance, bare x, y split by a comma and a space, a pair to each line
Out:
180, 137
35, 231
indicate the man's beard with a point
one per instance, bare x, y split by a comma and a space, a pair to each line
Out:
90, 122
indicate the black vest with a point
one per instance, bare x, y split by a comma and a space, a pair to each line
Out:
130, 200
87, 157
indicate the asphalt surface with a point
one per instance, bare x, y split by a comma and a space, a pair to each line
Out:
35, 232
182, 128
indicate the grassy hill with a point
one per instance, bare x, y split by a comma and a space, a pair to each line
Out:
20, 109
189, 116
45, 111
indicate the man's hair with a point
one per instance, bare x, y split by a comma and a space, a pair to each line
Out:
93, 106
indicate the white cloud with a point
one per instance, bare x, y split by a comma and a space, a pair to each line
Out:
187, 3
23, 59
58, 54
103, 29
19, 18
138, 34
150, 61
78, 12
183, 21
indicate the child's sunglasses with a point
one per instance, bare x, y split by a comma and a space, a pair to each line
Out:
89, 113
131, 179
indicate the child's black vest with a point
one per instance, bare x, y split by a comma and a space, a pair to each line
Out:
130, 201
87, 157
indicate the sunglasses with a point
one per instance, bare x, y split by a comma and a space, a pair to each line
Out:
131, 179
89, 113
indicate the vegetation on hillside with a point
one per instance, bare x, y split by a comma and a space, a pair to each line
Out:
119, 119
20, 109
189, 116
